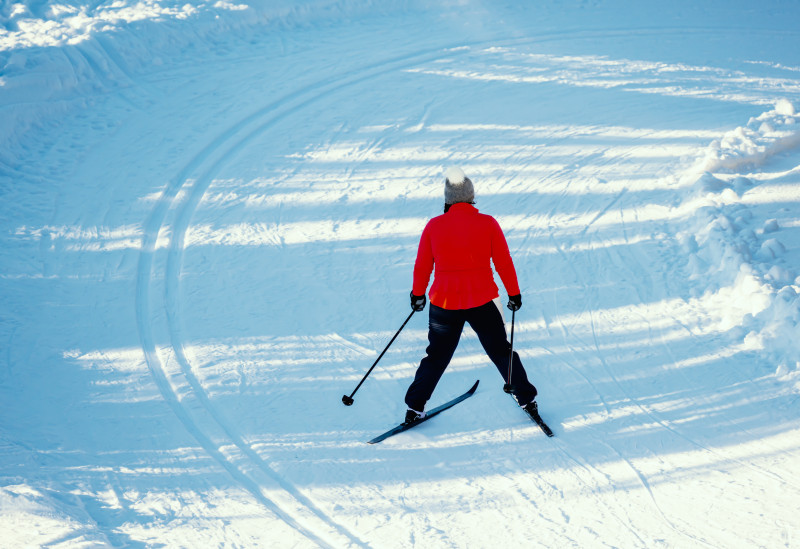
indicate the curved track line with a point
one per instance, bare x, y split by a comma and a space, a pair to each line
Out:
156, 223
272, 113
169, 394
152, 229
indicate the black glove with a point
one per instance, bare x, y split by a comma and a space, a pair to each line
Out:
418, 302
515, 302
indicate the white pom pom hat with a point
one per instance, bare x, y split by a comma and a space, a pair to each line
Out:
458, 187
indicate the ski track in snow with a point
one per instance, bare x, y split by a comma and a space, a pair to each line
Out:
183, 205
645, 409
493, 467
177, 231
590, 303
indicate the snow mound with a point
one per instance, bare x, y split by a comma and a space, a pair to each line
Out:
55, 55
736, 255
764, 136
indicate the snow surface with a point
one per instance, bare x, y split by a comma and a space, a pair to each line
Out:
209, 217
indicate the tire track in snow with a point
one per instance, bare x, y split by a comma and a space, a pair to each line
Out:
565, 332
641, 477
604, 211
618, 514
638, 474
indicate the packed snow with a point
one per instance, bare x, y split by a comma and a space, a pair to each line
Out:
209, 218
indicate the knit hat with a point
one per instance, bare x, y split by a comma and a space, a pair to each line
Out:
458, 187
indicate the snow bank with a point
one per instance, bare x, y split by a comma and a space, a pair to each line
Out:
31, 24
36, 23
56, 56
737, 254
763, 137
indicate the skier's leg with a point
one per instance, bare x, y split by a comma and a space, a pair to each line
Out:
487, 321
444, 331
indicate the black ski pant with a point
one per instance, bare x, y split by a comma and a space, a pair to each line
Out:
444, 331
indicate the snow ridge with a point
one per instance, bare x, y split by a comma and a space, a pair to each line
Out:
763, 137
737, 254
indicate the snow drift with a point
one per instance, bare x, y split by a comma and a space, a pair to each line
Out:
733, 250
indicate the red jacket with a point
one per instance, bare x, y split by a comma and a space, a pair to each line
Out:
461, 244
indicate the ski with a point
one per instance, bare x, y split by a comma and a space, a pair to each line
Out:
537, 419
406, 426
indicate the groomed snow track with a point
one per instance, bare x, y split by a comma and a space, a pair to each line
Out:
256, 205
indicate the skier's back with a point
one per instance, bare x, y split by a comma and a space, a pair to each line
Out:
461, 245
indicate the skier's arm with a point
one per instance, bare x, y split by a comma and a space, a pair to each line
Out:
501, 258
423, 266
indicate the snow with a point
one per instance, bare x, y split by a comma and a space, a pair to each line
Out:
209, 217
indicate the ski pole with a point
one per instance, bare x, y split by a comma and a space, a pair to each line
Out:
508, 387
348, 400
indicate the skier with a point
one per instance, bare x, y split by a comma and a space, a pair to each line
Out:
461, 243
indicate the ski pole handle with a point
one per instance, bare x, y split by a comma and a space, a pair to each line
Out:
348, 400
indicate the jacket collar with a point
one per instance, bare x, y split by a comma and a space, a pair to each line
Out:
462, 207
